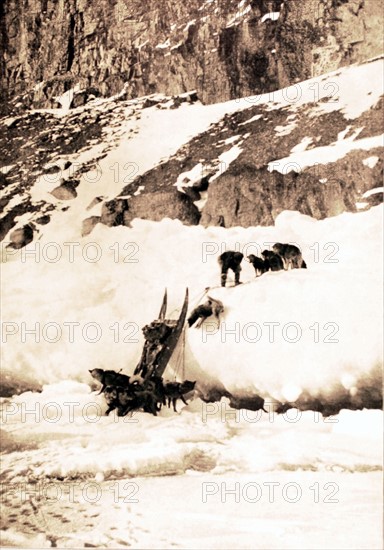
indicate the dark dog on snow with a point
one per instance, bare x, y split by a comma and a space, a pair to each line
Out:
202, 312
128, 400
259, 264
272, 261
154, 395
230, 260
291, 255
176, 390
121, 398
111, 394
148, 395
109, 378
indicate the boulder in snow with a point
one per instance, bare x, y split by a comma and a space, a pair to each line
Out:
66, 191
81, 98
112, 212
43, 220
89, 224
21, 237
167, 203
94, 202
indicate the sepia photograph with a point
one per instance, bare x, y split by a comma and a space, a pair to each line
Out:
191, 223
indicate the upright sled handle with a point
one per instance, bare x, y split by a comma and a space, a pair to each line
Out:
163, 308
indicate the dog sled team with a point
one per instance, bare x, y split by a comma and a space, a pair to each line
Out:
145, 389
128, 393
282, 257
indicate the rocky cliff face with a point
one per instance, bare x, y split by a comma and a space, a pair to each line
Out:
223, 49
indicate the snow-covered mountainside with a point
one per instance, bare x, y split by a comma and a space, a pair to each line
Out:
315, 147
109, 203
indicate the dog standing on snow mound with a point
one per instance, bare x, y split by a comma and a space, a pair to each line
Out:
230, 260
259, 264
202, 312
272, 261
291, 255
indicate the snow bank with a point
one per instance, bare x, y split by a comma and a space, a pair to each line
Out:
301, 158
281, 334
86, 299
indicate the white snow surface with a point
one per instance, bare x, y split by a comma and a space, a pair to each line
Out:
351, 90
372, 192
66, 98
174, 473
107, 279
371, 161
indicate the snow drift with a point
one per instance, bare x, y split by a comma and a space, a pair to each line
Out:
314, 331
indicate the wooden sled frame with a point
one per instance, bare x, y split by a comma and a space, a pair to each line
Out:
164, 347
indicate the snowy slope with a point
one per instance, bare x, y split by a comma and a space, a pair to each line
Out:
73, 303
327, 319
113, 297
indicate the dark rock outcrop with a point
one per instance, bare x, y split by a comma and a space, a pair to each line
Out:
244, 192
21, 237
245, 196
82, 97
251, 402
167, 203
112, 212
94, 202
43, 220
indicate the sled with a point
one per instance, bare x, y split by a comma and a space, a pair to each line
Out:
161, 338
